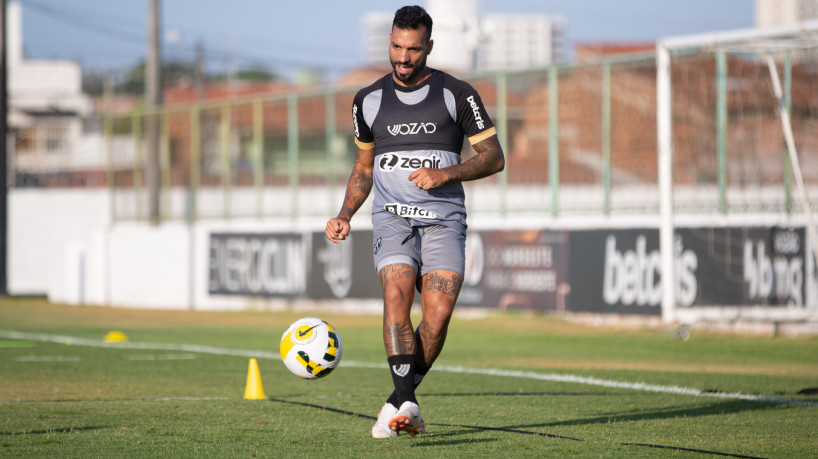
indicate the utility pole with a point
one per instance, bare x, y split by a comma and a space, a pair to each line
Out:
198, 71
153, 100
4, 176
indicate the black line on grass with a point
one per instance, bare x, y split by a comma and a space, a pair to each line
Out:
721, 407
325, 408
509, 430
692, 450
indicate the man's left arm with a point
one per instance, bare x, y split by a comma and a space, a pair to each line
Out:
473, 118
487, 160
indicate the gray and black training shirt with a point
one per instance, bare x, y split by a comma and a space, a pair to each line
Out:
414, 127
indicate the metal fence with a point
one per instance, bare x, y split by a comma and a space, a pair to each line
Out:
579, 139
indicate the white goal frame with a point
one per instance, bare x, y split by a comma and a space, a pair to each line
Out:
664, 120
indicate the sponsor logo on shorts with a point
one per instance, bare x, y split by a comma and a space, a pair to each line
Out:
390, 161
377, 245
405, 210
412, 128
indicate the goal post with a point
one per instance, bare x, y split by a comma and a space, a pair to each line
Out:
708, 84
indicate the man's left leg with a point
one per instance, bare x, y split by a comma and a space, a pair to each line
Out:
443, 253
438, 297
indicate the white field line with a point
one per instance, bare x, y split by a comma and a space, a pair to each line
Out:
552, 377
161, 357
48, 358
141, 399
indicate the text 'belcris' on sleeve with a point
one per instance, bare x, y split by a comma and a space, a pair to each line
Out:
471, 113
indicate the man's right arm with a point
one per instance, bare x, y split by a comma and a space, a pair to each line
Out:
358, 189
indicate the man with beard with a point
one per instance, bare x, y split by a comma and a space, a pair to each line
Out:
409, 130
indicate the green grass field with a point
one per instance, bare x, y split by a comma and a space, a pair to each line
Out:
506, 385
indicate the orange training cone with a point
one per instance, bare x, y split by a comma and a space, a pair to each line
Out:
254, 390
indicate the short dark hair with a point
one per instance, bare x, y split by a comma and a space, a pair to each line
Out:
411, 17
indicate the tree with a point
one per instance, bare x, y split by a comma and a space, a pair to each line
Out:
132, 80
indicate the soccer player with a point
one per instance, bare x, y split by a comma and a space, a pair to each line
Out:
409, 130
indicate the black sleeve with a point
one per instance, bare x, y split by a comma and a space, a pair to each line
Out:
472, 116
363, 134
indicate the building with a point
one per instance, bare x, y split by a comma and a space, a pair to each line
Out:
586, 51
779, 12
375, 30
505, 42
457, 32
46, 107
515, 42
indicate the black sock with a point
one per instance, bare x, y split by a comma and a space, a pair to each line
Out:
402, 368
420, 373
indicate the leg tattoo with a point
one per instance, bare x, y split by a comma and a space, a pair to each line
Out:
398, 338
439, 284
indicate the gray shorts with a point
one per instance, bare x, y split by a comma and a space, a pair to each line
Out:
425, 248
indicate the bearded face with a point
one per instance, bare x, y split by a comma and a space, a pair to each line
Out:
408, 50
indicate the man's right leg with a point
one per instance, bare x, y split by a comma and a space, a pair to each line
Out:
423, 362
397, 282
396, 251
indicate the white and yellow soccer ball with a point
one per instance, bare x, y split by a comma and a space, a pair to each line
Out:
311, 348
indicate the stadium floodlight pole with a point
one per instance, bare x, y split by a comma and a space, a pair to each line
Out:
793, 154
664, 140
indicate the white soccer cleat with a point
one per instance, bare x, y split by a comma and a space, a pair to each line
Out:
381, 428
407, 419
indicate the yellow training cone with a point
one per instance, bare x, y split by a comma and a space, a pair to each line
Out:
115, 337
254, 390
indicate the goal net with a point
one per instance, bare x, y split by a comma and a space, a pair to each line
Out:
737, 129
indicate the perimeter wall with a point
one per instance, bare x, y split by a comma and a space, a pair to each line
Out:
69, 250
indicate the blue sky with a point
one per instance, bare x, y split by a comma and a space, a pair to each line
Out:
111, 34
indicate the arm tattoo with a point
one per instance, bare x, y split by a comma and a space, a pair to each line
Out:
358, 188
399, 338
488, 160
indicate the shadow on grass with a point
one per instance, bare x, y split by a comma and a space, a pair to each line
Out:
450, 438
720, 408
433, 441
519, 394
